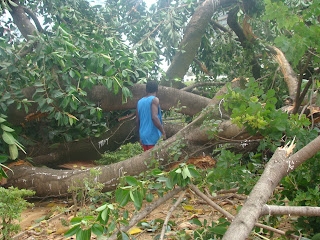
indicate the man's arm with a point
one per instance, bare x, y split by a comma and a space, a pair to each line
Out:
154, 116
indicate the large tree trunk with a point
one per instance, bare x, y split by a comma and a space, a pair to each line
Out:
91, 148
107, 101
49, 182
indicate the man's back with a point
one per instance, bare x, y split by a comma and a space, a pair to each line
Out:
148, 132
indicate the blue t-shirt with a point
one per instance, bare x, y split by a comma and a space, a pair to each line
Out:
149, 133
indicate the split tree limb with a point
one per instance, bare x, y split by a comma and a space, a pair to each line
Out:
278, 166
290, 76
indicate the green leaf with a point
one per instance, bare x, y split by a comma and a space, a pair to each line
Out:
6, 128
186, 173
149, 197
72, 231
99, 209
84, 234
13, 3
13, 151
122, 196
97, 229
105, 214
196, 221
156, 172
71, 73
124, 236
124, 222
219, 230
2, 173
8, 138
2, 120
76, 220
137, 199
194, 172
131, 180
3, 158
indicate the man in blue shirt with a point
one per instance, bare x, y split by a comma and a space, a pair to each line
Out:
148, 117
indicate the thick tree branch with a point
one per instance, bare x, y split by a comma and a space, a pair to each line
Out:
299, 97
190, 43
278, 166
107, 101
34, 18
22, 21
201, 84
245, 38
49, 182
290, 210
219, 26
228, 215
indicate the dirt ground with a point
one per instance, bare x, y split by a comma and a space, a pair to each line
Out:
48, 219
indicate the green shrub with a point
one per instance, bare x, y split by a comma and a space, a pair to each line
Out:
11, 206
124, 152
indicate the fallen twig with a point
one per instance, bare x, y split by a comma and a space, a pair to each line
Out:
164, 227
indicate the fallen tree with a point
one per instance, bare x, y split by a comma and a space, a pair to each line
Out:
91, 148
108, 101
49, 182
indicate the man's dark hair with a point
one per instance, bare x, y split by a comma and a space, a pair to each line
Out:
152, 86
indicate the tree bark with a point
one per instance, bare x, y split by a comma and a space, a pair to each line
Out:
107, 101
22, 21
90, 148
190, 43
290, 210
278, 166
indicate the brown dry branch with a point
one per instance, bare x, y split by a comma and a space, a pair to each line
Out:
146, 211
165, 223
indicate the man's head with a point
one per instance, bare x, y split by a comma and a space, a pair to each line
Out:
152, 87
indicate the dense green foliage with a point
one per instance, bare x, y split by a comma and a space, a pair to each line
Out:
10, 145
124, 152
11, 206
122, 43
